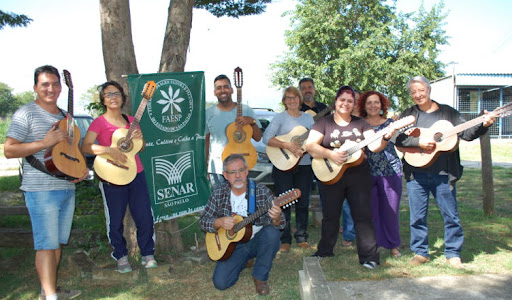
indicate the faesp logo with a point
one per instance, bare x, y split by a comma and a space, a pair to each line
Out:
172, 105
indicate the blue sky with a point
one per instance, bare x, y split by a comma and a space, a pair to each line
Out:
66, 34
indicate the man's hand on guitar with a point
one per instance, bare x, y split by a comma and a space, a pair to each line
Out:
54, 136
488, 119
275, 213
225, 222
244, 120
86, 173
338, 157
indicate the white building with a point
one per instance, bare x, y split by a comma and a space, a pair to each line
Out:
471, 93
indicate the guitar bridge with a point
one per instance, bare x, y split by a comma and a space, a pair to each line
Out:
117, 164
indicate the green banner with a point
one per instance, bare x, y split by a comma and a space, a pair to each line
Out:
173, 127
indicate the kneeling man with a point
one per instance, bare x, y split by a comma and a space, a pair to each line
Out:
234, 198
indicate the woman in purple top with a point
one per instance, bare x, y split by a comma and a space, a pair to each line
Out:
386, 171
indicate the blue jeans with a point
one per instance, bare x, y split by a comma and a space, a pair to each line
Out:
264, 246
418, 191
51, 215
349, 230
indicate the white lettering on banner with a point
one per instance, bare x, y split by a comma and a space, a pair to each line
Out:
176, 202
175, 191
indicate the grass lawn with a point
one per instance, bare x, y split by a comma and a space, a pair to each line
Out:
487, 249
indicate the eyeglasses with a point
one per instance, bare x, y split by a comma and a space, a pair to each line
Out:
291, 97
113, 95
236, 172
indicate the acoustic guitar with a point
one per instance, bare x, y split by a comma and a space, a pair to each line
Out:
221, 244
239, 137
329, 172
105, 166
65, 157
284, 159
445, 136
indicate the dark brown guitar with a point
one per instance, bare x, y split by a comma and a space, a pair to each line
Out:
65, 158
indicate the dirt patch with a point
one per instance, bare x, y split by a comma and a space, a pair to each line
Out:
12, 198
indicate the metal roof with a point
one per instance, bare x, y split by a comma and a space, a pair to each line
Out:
483, 79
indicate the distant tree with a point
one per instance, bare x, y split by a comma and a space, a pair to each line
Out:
13, 19
24, 97
362, 43
7, 100
92, 99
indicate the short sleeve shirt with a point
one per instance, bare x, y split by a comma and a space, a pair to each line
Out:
31, 123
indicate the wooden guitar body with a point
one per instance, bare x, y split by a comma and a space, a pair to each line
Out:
239, 142
221, 245
329, 172
421, 158
108, 170
283, 159
65, 158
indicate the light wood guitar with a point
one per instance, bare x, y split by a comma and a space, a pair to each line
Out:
329, 172
284, 159
105, 166
239, 138
65, 158
445, 136
221, 244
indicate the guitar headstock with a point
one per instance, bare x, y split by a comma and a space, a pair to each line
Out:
67, 78
238, 79
503, 111
149, 90
287, 197
404, 122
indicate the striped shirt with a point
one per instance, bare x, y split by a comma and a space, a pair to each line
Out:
31, 123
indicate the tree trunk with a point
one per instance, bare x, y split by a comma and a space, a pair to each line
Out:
119, 59
177, 36
116, 38
487, 179
174, 57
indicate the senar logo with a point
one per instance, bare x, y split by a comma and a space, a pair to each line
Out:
172, 105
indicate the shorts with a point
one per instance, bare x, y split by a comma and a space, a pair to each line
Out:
51, 214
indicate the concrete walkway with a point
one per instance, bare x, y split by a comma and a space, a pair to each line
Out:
487, 286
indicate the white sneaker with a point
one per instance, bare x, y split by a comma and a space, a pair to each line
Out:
149, 261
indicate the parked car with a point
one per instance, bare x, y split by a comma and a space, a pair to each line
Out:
83, 122
262, 171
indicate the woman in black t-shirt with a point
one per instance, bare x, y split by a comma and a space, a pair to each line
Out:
328, 134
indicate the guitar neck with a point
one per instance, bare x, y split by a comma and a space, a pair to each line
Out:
238, 102
70, 120
463, 126
252, 217
136, 119
322, 113
365, 142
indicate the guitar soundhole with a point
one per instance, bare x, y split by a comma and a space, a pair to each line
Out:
239, 136
438, 137
125, 146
